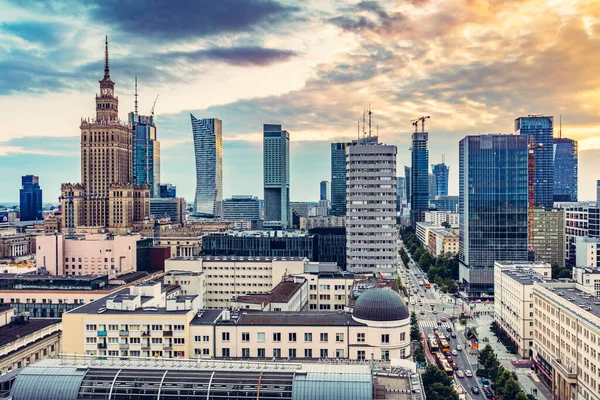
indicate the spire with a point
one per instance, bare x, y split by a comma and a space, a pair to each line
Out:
106, 69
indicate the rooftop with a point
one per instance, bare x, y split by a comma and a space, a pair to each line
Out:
285, 290
11, 332
206, 317
581, 300
525, 276
236, 258
308, 318
445, 233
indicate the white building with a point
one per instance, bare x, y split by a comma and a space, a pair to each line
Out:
439, 217
587, 252
588, 277
371, 243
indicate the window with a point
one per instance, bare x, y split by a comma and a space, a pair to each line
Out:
324, 353
245, 352
197, 338
178, 327
90, 340
291, 337
340, 287
178, 340
156, 340
339, 353
360, 354
225, 352
206, 352
277, 353
261, 353
292, 353
308, 337
402, 336
156, 327
225, 336
312, 306
324, 337
134, 340
307, 353
245, 336
360, 337
324, 287
90, 327
260, 337
385, 338
113, 340
276, 336
311, 287
385, 355
113, 327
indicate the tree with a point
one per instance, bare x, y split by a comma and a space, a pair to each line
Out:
510, 389
565, 273
415, 334
432, 375
413, 318
521, 396
437, 391
484, 354
503, 377
425, 261
420, 354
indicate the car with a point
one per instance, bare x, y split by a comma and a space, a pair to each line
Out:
422, 312
486, 383
468, 373
454, 352
449, 358
443, 319
435, 312
439, 323
422, 295
448, 329
460, 374
458, 347
475, 389
454, 366
453, 335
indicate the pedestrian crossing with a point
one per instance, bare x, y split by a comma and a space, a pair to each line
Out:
433, 324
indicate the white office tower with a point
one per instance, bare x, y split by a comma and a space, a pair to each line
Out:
371, 243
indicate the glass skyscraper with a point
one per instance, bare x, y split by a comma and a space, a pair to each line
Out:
419, 202
441, 172
208, 149
565, 169
338, 173
30, 196
408, 184
325, 191
276, 147
145, 153
492, 206
540, 128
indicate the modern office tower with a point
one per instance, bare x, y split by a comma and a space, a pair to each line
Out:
419, 190
549, 235
371, 243
441, 172
106, 196
432, 186
167, 191
565, 169
598, 193
339, 151
540, 129
276, 147
492, 207
208, 148
173, 208
408, 177
400, 192
145, 152
245, 208
325, 191
30, 196
446, 203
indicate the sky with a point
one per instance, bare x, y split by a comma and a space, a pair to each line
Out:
312, 66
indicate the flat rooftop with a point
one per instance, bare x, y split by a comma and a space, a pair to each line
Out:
284, 291
12, 332
580, 299
307, 318
445, 233
236, 258
206, 317
525, 276
40, 277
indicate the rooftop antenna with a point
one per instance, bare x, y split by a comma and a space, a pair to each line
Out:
358, 130
136, 99
560, 129
370, 119
363, 124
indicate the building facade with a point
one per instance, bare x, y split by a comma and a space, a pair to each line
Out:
244, 208
145, 153
549, 237
371, 209
276, 148
173, 208
400, 193
492, 208
442, 241
581, 220
446, 203
565, 169
419, 190
325, 191
308, 223
539, 131
30, 198
167, 191
441, 172
208, 150
442, 217
587, 253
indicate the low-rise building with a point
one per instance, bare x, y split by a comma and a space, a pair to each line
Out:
567, 339
588, 277
172, 208
442, 241
329, 290
422, 231
587, 252
549, 238
513, 302
308, 223
438, 218
291, 294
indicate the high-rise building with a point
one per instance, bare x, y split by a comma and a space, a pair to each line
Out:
145, 152
419, 190
539, 130
549, 235
371, 243
339, 151
565, 169
107, 196
208, 148
400, 192
167, 191
408, 177
432, 186
245, 208
492, 207
276, 147
446, 203
173, 208
325, 191
440, 171
30, 196
598, 193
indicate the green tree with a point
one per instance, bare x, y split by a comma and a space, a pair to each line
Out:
484, 354
565, 273
432, 375
510, 389
437, 391
415, 334
503, 377
521, 396
420, 354
425, 261
413, 318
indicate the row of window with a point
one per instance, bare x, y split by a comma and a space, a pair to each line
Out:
292, 337
133, 327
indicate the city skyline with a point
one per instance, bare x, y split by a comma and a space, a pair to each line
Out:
328, 51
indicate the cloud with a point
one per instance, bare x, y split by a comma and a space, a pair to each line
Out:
360, 19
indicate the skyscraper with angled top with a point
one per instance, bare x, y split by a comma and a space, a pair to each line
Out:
276, 147
565, 169
208, 149
145, 152
440, 171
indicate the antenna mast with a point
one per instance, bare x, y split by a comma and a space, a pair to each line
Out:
363, 125
358, 130
370, 119
560, 130
136, 99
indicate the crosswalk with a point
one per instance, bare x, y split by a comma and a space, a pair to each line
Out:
433, 324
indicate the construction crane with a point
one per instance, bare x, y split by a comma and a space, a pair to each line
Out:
154, 105
415, 123
530, 188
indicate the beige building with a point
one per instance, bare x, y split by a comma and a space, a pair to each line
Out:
291, 294
513, 302
329, 291
422, 231
307, 223
588, 277
567, 339
137, 324
91, 254
549, 235
106, 196
442, 241
24, 341
587, 252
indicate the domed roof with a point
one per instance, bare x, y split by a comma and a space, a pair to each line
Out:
380, 305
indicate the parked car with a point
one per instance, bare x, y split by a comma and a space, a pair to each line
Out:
486, 383
448, 329
475, 389
449, 358
422, 312
439, 323
460, 374
468, 373
443, 319
453, 334
458, 347
454, 366
435, 312
454, 352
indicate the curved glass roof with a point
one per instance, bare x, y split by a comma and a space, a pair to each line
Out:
48, 383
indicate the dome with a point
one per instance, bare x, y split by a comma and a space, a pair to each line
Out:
380, 305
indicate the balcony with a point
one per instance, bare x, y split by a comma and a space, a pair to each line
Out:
101, 333
146, 333
145, 346
167, 333
167, 346
568, 373
123, 346
123, 333
102, 345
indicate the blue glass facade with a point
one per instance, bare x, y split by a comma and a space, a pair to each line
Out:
492, 206
565, 169
540, 128
408, 184
325, 191
276, 148
167, 191
420, 177
440, 171
208, 149
145, 153
30, 196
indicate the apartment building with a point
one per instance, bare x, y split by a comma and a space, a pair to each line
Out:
440, 217
422, 230
567, 339
513, 303
549, 238
291, 294
308, 223
581, 220
587, 252
588, 277
442, 241
329, 290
